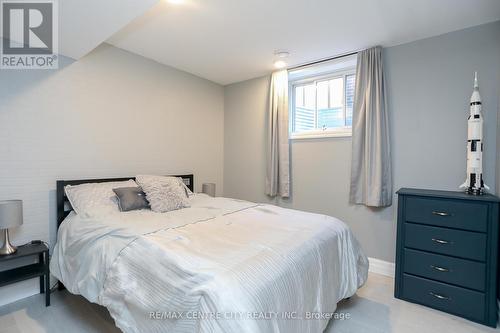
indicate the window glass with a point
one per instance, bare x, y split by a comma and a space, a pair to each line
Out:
349, 98
323, 104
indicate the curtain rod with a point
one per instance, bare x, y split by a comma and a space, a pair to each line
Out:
322, 60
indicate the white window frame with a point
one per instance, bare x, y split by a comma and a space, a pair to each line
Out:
338, 132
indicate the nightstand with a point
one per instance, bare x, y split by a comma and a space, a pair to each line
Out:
40, 269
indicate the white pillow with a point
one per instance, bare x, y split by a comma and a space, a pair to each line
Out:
94, 199
185, 187
163, 193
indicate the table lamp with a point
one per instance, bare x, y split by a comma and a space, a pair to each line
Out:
208, 188
11, 215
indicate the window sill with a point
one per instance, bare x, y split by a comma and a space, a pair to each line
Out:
321, 135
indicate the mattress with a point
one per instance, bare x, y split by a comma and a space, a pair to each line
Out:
222, 265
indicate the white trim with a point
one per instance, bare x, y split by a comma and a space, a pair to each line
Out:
323, 76
344, 132
382, 267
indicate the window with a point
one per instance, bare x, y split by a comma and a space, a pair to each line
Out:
322, 105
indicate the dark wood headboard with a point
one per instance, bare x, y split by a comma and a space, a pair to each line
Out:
64, 207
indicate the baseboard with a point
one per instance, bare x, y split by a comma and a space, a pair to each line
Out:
382, 267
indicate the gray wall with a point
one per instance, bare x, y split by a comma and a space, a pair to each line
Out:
110, 114
429, 86
498, 145
498, 136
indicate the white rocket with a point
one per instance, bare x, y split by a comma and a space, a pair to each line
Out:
474, 183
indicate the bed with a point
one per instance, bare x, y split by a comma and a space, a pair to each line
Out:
222, 265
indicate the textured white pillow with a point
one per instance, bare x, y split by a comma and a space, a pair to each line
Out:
95, 199
163, 193
185, 187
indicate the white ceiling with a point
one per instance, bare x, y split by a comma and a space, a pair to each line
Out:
228, 41
84, 24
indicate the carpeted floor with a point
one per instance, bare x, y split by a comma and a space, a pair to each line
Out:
372, 310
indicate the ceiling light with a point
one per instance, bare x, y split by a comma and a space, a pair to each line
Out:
175, 2
280, 55
279, 64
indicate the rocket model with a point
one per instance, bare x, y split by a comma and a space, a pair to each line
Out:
474, 183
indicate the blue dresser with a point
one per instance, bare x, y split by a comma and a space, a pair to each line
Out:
447, 252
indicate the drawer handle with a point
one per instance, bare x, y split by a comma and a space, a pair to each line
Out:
441, 241
445, 298
440, 269
441, 213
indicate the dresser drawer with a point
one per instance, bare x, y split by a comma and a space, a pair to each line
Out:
458, 243
455, 300
461, 272
447, 213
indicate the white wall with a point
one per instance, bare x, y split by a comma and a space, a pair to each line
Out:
429, 86
110, 114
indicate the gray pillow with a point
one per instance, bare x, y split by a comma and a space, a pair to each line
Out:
131, 198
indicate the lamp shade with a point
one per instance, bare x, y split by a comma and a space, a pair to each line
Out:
11, 213
208, 188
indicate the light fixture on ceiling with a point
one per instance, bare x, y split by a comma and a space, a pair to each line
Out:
175, 2
279, 64
280, 56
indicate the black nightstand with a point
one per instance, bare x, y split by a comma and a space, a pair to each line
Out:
40, 269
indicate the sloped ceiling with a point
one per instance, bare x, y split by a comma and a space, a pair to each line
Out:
233, 40
84, 24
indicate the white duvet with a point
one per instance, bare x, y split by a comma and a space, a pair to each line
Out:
223, 265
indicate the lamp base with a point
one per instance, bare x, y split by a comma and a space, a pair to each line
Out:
7, 247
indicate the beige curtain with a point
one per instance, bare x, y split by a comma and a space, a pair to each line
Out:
371, 177
278, 164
